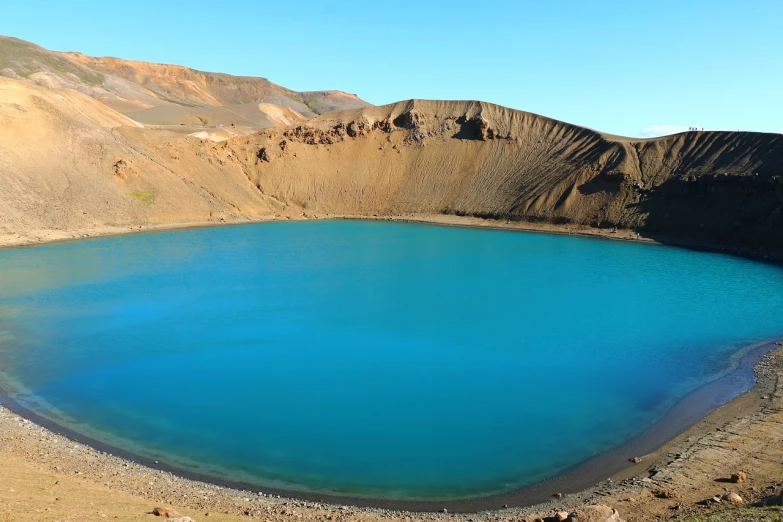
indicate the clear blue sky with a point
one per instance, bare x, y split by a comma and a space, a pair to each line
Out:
617, 66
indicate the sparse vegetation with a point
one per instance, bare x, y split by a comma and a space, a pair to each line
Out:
765, 514
144, 195
311, 104
26, 59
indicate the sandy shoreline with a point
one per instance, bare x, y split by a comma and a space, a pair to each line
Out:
740, 435
579, 484
47, 237
688, 411
452, 220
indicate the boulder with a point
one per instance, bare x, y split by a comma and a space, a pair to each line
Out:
386, 125
665, 493
739, 478
359, 127
733, 498
409, 120
597, 513
166, 512
560, 516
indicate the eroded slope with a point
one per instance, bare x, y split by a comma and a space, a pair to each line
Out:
470, 158
71, 165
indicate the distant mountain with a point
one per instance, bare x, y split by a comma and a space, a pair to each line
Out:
170, 95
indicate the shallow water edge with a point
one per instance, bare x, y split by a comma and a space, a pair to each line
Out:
686, 413
451, 220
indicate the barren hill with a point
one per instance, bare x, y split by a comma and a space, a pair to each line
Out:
70, 166
721, 189
167, 95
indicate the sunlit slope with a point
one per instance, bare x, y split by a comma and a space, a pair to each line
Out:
70, 164
162, 94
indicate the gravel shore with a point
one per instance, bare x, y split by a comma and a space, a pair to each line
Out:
680, 478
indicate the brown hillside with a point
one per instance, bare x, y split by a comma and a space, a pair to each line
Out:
161, 94
723, 189
70, 165
67, 172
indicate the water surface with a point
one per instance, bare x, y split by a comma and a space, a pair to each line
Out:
369, 358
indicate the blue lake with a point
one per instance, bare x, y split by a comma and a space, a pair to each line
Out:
370, 358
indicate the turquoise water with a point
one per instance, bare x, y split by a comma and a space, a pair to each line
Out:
370, 358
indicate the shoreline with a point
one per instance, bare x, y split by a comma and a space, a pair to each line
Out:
688, 411
688, 469
449, 220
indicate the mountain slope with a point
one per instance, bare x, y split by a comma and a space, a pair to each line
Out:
723, 189
161, 94
70, 166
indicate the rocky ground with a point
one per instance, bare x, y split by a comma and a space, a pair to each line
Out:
732, 458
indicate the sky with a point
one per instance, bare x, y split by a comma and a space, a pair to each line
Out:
622, 67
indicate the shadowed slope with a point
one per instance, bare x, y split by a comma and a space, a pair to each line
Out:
479, 159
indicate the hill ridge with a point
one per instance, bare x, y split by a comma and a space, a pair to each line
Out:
167, 95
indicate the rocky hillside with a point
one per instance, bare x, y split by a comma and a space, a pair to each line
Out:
168, 95
718, 189
70, 166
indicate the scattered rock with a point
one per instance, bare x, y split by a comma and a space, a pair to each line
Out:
359, 127
179, 519
665, 493
597, 513
733, 498
416, 136
739, 478
123, 170
409, 120
386, 125
165, 512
